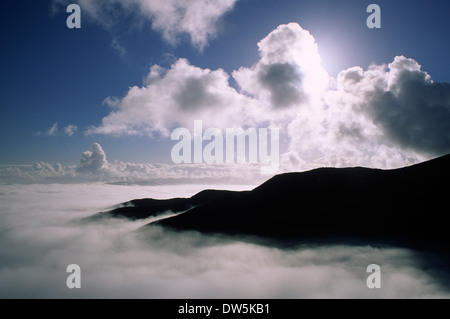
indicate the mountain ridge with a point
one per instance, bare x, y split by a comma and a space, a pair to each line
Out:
405, 205
400, 205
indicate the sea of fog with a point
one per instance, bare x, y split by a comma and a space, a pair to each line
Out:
41, 234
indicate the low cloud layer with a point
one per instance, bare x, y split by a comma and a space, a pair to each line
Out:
94, 167
40, 237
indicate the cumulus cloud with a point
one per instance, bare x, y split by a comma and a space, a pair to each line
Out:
94, 160
172, 18
288, 76
174, 97
38, 244
94, 167
289, 72
386, 116
54, 130
281, 80
411, 109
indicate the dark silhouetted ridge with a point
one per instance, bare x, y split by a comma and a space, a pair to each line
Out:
407, 205
145, 208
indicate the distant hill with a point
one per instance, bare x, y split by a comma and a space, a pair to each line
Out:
148, 207
407, 206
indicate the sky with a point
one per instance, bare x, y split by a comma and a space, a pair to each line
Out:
340, 93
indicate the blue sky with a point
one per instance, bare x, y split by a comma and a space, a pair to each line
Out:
52, 74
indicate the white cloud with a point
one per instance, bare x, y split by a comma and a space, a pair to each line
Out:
176, 97
287, 80
172, 18
289, 73
38, 244
68, 130
411, 109
387, 116
118, 47
377, 118
38, 173
371, 117
94, 167
52, 131
197, 18
94, 160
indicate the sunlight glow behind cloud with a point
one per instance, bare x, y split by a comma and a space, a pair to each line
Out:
364, 117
